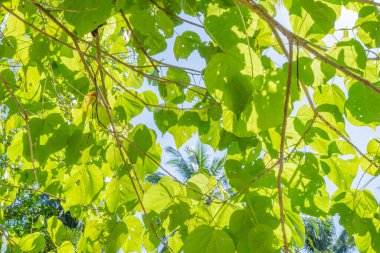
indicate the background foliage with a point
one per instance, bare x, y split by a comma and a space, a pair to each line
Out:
86, 101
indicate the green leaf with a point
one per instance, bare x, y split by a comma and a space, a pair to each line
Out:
312, 19
356, 210
135, 234
330, 94
39, 49
367, 242
262, 239
159, 197
113, 156
227, 27
82, 185
185, 44
118, 234
66, 247
149, 97
33, 243
56, 230
127, 106
16, 147
323, 16
87, 15
134, 80
205, 239
268, 99
340, 172
369, 26
202, 183
165, 23
8, 48
165, 119
120, 4
186, 127
113, 194
226, 84
373, 147
350, 54
119, 191
361, 103
141, 139
294, 222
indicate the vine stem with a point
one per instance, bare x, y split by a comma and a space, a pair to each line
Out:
26, 119
282, 145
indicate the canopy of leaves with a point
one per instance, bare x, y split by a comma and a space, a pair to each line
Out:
87, 93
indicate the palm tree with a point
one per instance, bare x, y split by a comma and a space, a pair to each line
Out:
196, 161
321, 236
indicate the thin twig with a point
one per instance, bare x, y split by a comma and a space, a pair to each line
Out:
24, 115
186, 69
303, 135
137, 40
280, 42
30, 189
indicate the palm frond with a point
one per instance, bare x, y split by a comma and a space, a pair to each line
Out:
201, 156
343, 243
319, 234
154, 178
192, 158
180, 164
217, 166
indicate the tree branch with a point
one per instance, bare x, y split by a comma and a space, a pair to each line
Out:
282, 145
31, 189
280, 42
